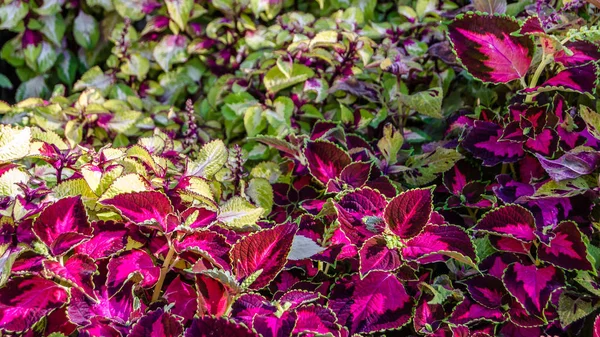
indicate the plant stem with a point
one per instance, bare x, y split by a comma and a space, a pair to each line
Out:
163, 273
536, 76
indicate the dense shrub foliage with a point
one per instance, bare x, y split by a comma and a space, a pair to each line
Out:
299, 168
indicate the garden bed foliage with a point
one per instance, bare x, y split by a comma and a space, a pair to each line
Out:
299, 168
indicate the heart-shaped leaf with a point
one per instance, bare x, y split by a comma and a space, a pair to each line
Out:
409, 212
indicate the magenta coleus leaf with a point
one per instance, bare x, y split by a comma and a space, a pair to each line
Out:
487, 290
63, 225
532, 285
109, 238
127, 265
486, 48
583, 52
212, 246
266, 250
597, 326
273, 326
580, 79
377, 302
325, 160
24, 301
446, 240
143, 208
566, 249
360, 214
212, 326
77, 271
213, 297
315, 319
249, 305
296, 298
427, 316
183, 297
511, 220
484, 141
508, 244
407, 213
157, 323
376, 255
468, 311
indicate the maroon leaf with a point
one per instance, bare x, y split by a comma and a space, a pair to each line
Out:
511, 220
567, 249
325, 160
360, 214
409, 212
213, 296
266, 250
129, 264
532, 286
212, 246
485, 46
183, 297
212, 326
377, 302
109, 238
468, 311
63, 225
580, 79
484, 142
77, 271
143, 208
273, 326
376, 255
583, 52
157, 324
447, 240
24, 301
486, 290
315, 319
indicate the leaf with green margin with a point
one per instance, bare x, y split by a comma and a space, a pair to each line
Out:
9, 178
260, 192
275, 80
122, 121
390, 144
14, 143
95, 78
136, 65
238, 213
126, 184
254, 120
76, 187
211, 158
428, 102
591, 119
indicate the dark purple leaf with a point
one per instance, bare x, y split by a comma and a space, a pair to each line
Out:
583, 52
315, 319
512, 220
183, 297
486, 290
580, 79
109, 238
212, 326
143, 208
377, 302
157, 324
210, 245
376, 255
446, 240
567, 249
360, 214
571, 165
468, 311
483, 141
77, 271
532, 286
24, 301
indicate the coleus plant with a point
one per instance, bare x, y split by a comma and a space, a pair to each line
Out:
364, 183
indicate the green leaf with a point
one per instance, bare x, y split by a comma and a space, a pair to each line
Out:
170, 50
34, 87
266, 170
94, 78
122, 121
390, 144
47, 57
66, 67
126, 184
426, 167
211, 158
179, 11
136, 65
428, 102
14, 143
12, 13
238, 213
5, 82
254, 121
260, 192
86, 30
54, 28
572, 308
133, 9
275, 80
